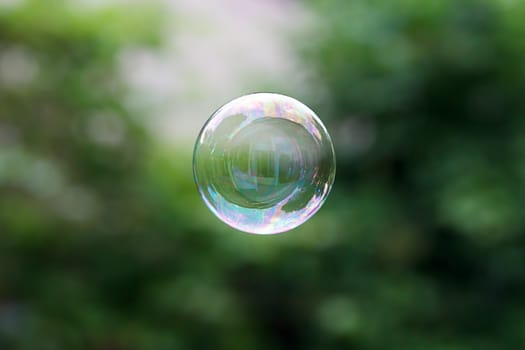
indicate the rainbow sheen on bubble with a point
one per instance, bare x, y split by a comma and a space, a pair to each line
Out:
264, 163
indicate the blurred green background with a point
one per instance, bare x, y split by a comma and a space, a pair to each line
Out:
105, 244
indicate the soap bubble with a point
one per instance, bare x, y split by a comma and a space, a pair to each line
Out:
264, 163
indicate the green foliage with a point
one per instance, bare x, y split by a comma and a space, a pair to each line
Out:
427, 107
105, 243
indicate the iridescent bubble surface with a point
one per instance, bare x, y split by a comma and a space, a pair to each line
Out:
264, 163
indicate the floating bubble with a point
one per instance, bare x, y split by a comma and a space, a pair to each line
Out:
264, 163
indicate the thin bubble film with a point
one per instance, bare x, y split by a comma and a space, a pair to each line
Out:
264, 163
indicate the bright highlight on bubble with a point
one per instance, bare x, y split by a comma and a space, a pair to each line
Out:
264, 163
